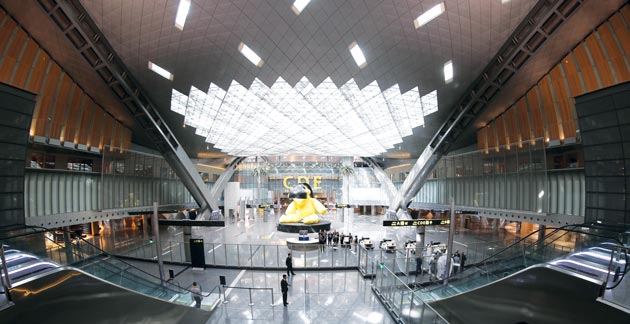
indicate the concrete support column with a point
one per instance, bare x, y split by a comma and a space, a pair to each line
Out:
495, 226
373, 210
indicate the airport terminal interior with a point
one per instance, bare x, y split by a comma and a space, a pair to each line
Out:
315, 161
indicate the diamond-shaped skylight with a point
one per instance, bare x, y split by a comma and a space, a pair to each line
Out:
303, 120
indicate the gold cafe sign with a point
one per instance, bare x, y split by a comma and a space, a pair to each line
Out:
290, 181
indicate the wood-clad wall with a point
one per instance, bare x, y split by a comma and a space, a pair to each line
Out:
547, 110
63, 112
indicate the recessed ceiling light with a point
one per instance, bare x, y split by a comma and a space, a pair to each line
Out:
429, 15
182, 13
357, 54
448, 71
250, 55
160, 70
299, 5
505, 1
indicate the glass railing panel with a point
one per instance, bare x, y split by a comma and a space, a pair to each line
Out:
220, 254
272, 256
232, 251
259, 254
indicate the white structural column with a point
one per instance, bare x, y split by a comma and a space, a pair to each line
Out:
386, 183
345, 195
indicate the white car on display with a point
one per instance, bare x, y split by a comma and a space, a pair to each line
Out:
388, 245
410, 246
366, 243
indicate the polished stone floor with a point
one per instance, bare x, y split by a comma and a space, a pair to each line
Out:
315, 296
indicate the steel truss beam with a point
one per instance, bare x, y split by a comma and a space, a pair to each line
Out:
74, 21
540, 24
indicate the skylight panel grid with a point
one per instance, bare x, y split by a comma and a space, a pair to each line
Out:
305, 119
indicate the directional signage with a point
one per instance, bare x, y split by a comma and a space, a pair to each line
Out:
264, 206
342, 206
416, 222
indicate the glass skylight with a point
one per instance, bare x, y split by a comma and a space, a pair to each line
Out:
304, 119
182, 13
357, 54
429, 15
299, 5
250, 54
160, 70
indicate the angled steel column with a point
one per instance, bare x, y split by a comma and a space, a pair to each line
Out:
527, 38
386, 182
224, 178
80, 29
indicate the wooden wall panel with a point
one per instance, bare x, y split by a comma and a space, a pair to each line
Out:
625, 12
615, 53
43, 106
616, 21
59, 107
73, 117
63, 111
37, 74
600, 60
89, 109
12, 55
564, 102
587, 69
523, 118
108, 124
511, 122
549, 108
501, 133
538, 126
492, 134
573, 78
482, 143
96, 132
24, 65
5, 33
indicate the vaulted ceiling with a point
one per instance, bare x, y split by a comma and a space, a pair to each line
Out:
311, 46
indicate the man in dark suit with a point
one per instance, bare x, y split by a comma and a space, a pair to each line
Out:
284, 285
289, 263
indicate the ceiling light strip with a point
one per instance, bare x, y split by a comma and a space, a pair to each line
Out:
160, 71
182, 13
250, 54
429, 15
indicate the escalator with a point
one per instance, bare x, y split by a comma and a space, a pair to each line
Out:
527, 252
83, 255
533, 282
539, 294
68, 295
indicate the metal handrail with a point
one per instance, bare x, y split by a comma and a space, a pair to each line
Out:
251, 303
104, 253
617, 281
6, 286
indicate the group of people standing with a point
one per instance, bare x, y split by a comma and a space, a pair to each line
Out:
437, 264
334, 238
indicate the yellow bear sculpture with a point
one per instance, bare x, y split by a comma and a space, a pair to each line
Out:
304, 208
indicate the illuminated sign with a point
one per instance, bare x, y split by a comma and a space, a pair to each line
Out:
417, 222
317, 181
196, 241
342, 206
264, 206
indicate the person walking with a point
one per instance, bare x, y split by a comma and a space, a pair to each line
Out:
289, 263
284, 286
456, 262
462, 262
195, 291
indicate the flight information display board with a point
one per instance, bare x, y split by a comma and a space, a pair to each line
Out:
416, 222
